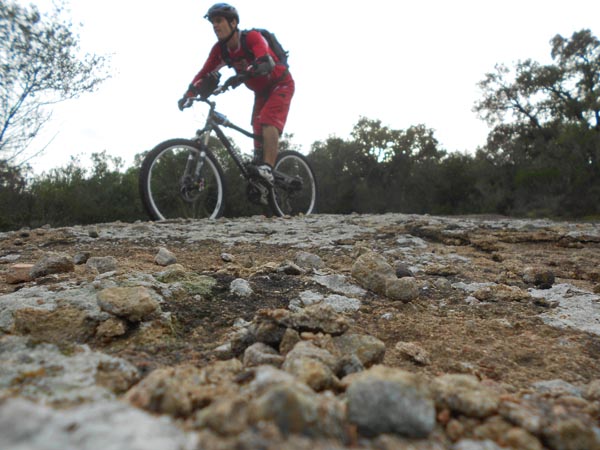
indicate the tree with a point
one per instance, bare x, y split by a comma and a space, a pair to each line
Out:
73, 194
381, 169
40, 65
541, 96
13, 195
401, 165
340, 169
546, 127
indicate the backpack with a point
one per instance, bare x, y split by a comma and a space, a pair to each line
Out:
274, 45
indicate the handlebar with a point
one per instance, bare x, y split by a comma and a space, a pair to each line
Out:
232, 82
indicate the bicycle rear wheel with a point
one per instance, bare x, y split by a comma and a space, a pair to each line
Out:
295, 189
181, 178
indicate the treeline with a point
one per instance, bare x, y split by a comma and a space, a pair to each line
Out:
378, 170
70, 195
553, 174
542, 158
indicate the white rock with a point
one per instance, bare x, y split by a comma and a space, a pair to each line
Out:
241, 287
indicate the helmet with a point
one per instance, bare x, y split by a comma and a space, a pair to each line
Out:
224, 10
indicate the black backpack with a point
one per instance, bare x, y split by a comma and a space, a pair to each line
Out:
274, 45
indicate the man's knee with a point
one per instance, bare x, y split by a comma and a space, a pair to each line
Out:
270, 135
271, 129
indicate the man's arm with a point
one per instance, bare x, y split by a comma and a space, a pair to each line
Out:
264, 59
212, 64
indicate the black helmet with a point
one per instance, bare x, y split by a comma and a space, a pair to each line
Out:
223, 10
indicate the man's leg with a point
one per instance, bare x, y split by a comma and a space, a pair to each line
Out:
270, 114
270, 144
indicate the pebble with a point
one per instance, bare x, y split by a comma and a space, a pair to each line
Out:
165, 257
241, 288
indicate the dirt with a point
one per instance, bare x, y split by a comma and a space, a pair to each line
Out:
504, 341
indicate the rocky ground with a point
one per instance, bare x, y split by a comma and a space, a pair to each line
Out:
323, 332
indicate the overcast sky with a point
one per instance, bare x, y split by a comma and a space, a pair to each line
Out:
404, 63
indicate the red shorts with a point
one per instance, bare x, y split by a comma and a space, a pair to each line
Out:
273, 108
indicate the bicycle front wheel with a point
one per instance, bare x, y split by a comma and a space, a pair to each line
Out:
181, 178
295, 189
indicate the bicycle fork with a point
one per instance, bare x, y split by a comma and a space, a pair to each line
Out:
191, 183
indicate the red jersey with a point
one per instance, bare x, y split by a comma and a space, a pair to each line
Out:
259, 47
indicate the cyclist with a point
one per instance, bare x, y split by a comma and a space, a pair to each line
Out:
269, 78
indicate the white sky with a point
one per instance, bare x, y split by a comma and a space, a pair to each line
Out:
404, 63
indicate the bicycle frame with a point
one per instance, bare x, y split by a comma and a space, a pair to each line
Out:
214, 121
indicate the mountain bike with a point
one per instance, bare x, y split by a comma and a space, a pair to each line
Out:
183, 178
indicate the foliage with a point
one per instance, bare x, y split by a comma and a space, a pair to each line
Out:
380, 170
74, 195
12, 195
546, 133
40, 64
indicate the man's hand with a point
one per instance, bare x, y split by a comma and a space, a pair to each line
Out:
208, 84
192, 91
183, 103
261, 66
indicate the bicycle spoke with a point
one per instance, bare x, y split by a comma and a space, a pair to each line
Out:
180, 181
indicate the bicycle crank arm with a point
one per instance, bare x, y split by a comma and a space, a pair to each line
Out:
286, 180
